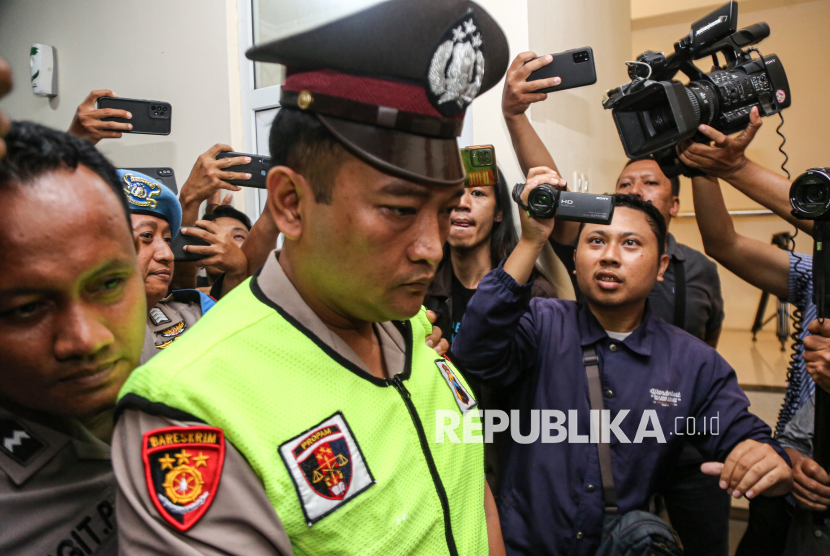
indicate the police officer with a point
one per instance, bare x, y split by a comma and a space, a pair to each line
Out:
156, 218
72, 313
299, 416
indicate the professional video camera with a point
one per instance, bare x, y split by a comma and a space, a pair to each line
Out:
810, 199
653, 112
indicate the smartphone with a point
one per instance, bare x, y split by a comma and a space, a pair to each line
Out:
258, 168
163, 175
480, 163
150, 117
177, 246
575, 68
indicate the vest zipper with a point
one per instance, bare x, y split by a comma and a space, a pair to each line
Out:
433, 470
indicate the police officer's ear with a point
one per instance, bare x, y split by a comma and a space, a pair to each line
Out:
286, 188
662, 265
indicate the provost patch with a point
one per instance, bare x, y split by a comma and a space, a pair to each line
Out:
183, 466
327, 467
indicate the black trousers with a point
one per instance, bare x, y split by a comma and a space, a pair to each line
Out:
699, 510
769, 522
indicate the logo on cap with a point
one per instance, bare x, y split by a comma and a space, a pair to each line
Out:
140, 192
457, 68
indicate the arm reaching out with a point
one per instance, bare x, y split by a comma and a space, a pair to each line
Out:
726, 159
88, 122
518, 95
761, 264
752, 468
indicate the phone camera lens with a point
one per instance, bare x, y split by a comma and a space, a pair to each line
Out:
165, 109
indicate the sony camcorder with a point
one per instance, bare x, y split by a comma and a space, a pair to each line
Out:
654, 112
548, 201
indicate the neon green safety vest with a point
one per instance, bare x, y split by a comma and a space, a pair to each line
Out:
349, 461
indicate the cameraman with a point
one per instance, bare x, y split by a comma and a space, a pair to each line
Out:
789, 276
702, 312
698, 509
533, 350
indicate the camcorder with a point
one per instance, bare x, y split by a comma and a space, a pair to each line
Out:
810, 199
549, 201
654, 112
480, 163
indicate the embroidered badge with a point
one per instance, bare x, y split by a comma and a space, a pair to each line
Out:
327, 467
141, 192
165, 344
158, 317
183, 466
18, 441
665, 397
457, 67
462, 396
173, 331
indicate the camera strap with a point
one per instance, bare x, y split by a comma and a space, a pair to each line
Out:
679, 293
517, 197
591, 361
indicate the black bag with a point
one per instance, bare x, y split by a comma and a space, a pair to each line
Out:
636, 533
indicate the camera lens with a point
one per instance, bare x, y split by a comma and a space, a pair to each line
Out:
816, 193
810, 195
661, 119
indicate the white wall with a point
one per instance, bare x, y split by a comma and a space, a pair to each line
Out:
573, 124
174, 51
575, 128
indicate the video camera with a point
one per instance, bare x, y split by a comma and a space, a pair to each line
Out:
653, 113
547, 201
810, 199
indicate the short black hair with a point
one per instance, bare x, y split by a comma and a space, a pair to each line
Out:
227, 211
301, 142
34, 150
653, 216
675, 181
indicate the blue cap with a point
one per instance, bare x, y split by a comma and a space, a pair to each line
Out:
148, 196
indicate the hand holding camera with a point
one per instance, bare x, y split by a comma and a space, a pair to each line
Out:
88, 122
220, 252
209, 176
726, 156
519, 93
538, 194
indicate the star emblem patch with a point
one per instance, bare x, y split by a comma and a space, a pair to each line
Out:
183, 466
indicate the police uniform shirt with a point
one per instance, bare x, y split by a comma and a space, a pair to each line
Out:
171, 317
57, 495
241, 519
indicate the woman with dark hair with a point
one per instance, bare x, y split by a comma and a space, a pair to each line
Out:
482, 234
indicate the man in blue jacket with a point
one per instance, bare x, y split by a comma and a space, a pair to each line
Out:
660, 384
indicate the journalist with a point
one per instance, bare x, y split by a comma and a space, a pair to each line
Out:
786, 275
689, 296
550, 501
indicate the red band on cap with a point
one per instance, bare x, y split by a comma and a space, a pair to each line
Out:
405, 97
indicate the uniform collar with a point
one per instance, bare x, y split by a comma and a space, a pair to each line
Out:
35, 438
278, 288
591, 331
673, 249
